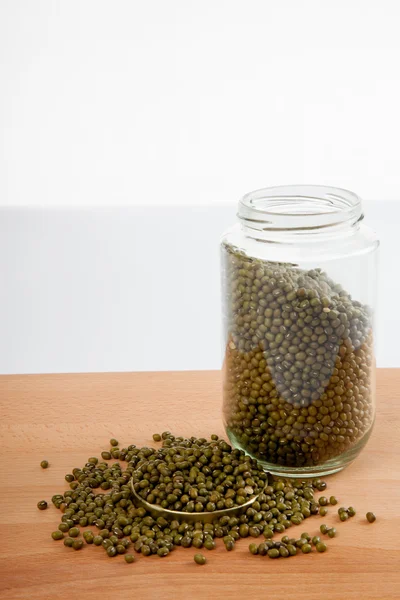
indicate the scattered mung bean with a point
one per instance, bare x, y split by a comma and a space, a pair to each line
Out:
199, 559
129, 558
331, 532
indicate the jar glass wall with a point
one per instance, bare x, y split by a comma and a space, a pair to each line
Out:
299, 291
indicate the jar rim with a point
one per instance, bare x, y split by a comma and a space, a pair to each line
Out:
299, 207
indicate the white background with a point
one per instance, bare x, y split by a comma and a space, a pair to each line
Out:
135, 288
155, 101
168, 104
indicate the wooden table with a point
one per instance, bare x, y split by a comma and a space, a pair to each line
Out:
67, 418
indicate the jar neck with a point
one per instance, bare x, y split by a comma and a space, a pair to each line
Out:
299, 210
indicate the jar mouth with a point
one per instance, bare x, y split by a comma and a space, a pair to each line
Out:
299, 207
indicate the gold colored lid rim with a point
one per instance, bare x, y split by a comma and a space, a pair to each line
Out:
205, 517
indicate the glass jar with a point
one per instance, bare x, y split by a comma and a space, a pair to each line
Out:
299, 291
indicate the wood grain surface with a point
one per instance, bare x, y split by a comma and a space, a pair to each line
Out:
67, 418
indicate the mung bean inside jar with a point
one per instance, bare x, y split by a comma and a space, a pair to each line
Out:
299, 292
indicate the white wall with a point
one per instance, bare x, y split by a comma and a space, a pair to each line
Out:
135, 288
183, 101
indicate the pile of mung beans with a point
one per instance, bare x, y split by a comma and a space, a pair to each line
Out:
198, 476
186, 475
298, 359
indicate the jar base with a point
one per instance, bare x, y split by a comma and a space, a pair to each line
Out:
327, 468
